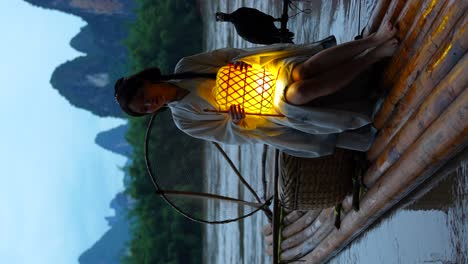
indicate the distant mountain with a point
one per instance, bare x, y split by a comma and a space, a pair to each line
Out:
89, 8
110, 248
114, 140
88, 81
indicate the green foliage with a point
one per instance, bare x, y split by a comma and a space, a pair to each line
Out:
160, 234
164, 32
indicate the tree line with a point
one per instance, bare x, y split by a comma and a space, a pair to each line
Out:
164, 32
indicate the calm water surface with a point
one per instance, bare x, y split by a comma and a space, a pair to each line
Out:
428, 228
431, 230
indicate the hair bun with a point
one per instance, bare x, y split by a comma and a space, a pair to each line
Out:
152, 74
118, 86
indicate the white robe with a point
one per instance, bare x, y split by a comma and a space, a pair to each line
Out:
303, 131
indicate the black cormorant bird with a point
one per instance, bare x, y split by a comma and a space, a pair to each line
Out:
256, 26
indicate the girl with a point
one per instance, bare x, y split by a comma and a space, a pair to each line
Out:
314, 121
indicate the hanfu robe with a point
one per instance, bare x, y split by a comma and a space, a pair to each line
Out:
304, 131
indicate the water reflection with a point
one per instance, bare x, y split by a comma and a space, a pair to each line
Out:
429, 227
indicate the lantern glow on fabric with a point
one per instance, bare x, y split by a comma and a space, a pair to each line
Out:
252, 88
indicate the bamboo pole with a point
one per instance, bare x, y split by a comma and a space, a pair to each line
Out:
308, 221
409, 73
406, 17
445, 59
301, 223
296, 221
377, 14
293, 245
296, 234
442, 97
294, 224
294, 228
435, 180
255, 114
440, 142
305, 233
393, 10
276, 213
450, 86
304, 243
431, 109
207, 196
293, 217
303, 229
290, 218
412, 26
264, 177
237, 172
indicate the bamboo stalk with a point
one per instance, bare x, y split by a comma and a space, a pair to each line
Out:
376, 18
210, 196
413, 35
264, 179
305, 241
237, 172
406, 17
435, 180
440, 142
323, 217
295, 227
276, 213
393, 10
290, 218
306, 225
431, 109
293, 217
451, 85
347, 203
410, 72
441, 64
301, 223
256, 114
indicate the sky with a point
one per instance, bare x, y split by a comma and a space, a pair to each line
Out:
57, 184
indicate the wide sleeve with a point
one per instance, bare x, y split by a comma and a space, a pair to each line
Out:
208, 62
263, 55
216, 127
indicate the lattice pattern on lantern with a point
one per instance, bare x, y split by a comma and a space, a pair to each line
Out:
253, 89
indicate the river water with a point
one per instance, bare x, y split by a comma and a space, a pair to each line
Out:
428, 226
432, 230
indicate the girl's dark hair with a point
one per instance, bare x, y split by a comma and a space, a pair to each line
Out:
126, 88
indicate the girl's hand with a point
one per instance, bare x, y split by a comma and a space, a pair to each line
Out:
241, 65
237, 113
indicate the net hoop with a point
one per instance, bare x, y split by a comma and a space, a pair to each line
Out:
160, 191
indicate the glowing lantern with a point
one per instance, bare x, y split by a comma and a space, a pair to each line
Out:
252, 88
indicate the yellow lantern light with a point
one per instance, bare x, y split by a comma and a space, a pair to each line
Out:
253, 89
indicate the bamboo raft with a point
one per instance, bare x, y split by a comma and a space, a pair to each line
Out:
422, 124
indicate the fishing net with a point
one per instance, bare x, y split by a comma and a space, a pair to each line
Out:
195, 178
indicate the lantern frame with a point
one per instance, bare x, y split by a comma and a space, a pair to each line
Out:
252, 88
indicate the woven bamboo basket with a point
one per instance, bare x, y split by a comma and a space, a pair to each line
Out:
316, 183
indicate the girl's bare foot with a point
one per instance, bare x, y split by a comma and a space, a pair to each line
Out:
385, 32
387, 49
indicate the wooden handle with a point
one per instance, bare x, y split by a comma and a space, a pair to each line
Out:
225, 111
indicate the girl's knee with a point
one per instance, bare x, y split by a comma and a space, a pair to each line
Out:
295, 93
297, 73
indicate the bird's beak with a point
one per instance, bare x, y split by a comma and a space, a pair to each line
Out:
219, 16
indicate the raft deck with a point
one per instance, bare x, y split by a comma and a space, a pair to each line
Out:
422, 123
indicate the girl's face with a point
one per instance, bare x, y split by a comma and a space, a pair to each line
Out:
150, 98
